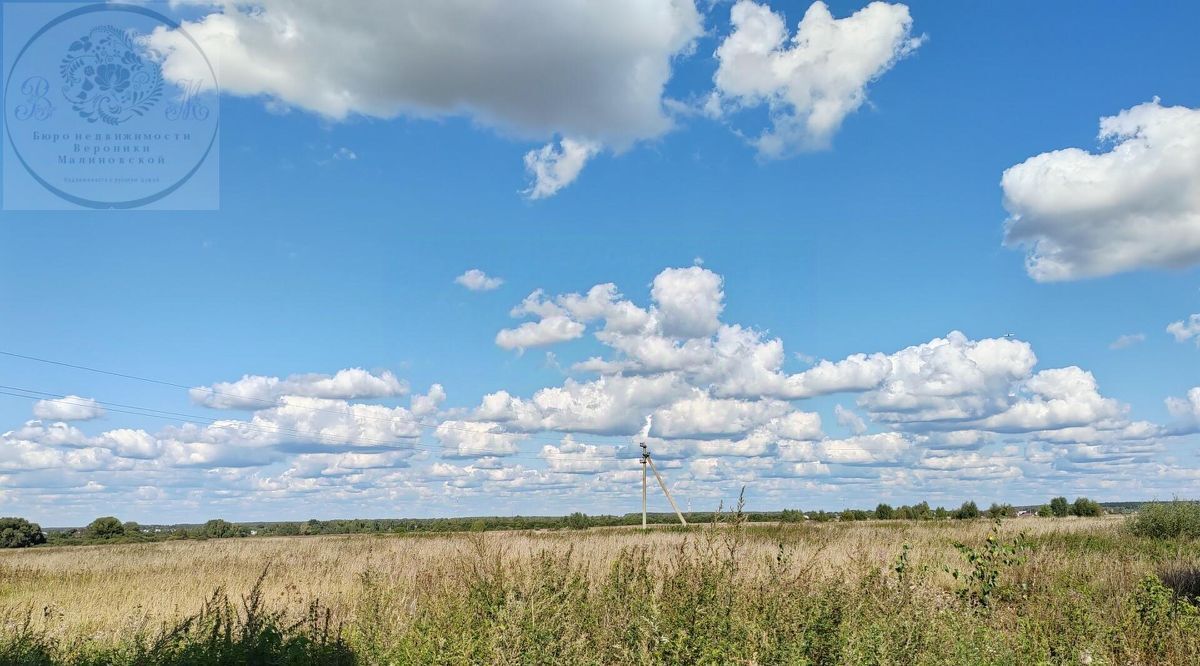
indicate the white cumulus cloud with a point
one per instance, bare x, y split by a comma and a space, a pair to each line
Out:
1186, 329
68, 408
1137, 205
261, 392
813, 79
553, 168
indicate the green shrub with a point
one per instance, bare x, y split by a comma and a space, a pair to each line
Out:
1060, 507
105, 527
1086, 508
967, 511
1167, 520
20, 533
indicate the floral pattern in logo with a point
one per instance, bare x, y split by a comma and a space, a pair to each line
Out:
106, 78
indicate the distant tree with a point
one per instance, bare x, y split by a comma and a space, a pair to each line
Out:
1086, 508
1001, 511
220, 529
967, 511
941, 513
1059, 507
921, 511
884, 512
20, 533
105, 527
1044, 511
131, 528
578, 521
791, 516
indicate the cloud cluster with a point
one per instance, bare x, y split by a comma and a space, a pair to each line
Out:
716, 402
1137, 205
587, 76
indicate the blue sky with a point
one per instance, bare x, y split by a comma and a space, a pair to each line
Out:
340, 234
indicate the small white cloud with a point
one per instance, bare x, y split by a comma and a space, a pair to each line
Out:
68, 408
1128, 340
345, 153
554, 168
425, 405
1186, 330
546, 331
849, 420
477, 280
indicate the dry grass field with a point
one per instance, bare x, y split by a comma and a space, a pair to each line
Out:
1033, 590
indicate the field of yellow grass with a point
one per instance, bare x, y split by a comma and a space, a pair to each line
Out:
1056, 590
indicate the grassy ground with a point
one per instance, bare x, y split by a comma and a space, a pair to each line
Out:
1035, 590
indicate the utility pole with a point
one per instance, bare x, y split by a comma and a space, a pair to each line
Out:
647, 461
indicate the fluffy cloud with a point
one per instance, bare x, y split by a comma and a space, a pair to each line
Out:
594, 69
553, 168
813, 80
259, 392
428, 404
547, 331
1137, 205
571, 457
1186, 409
68, 408
477, 280
461, 439
702, 416
689, 301
948, 379
1186, 329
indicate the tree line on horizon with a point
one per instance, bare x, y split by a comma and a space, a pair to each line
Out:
20, 533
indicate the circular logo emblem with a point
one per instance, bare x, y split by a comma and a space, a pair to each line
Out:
92, 116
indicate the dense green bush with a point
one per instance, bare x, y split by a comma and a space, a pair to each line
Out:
20, 533
1167, 520
1086, 508
967, 511
1060, 507
105, 527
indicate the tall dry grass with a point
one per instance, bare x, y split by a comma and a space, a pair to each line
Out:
1074, 591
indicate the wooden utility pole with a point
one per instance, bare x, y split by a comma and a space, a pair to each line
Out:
645, 459
648, 461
